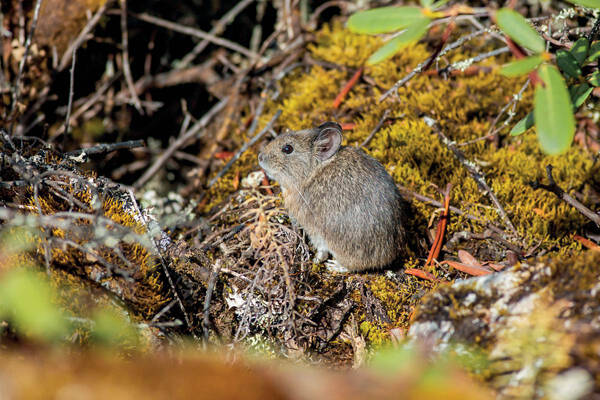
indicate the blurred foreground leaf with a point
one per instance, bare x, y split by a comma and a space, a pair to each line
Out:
553, 112
516, 26
384, 19
522, 66
26, 299
410, 35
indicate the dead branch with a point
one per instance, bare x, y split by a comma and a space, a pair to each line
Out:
553, 187
196, 33
473, 170
16, 90
83, 36
193, 131
245, 147
125, 56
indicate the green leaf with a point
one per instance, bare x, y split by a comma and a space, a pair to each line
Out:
438, 4
385, 19
410, 35
586, 3
580, 50
522, 125
522, 66
593, 52
26, 299
594, 79
579, 93
426, 3
516, 26
553, 112
112, 329
567, 63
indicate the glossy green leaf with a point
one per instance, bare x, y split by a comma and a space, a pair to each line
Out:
522, 125
593, 52
522, 66
586, 3
579, 94
580, 50
516, 26
410, 35
594, 79
385, 19
553, 112
568, 64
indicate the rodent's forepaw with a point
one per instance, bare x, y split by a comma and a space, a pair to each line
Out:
334, 266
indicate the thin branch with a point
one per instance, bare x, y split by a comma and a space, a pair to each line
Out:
217, 29
196, 33
421, 67
245, 147
64, 61
163, 263
382, 120
212, 280
473, 169
71, 92
126, 66
181, 140
17, 85
106, 147
564, 196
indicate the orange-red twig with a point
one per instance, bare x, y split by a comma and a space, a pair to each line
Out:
587, 243
469, 269
420, 274
224, 155
348, 126
265, 183
441, 228
340, 97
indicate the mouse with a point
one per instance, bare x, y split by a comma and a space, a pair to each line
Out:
344, 199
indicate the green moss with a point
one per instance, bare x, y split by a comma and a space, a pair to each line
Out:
376, 334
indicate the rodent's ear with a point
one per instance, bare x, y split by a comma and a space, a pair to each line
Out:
328, 140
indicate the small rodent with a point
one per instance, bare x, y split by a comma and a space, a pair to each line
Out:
343, 198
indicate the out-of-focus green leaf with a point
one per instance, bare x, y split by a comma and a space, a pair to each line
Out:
593, 52
516, 26
26, 299
522, 66
410, 35
392, 361
580, 50
594, 79
586, 3
553, 112
438, 4
385, 19
524, 124
426, 3
579, 93
567, 63
112, 329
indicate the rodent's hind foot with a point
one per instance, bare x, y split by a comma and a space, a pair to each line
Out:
336, 267
320, 256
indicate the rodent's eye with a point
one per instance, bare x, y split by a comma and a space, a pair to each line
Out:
287, 149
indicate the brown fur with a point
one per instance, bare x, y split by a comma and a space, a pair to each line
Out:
343, 198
